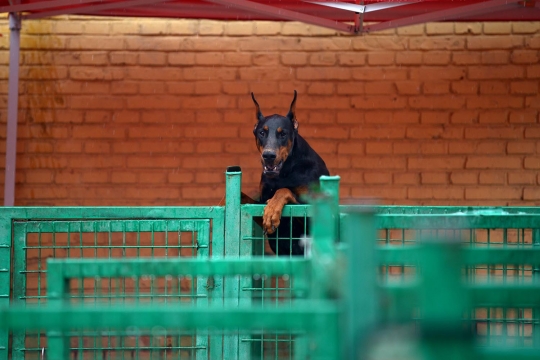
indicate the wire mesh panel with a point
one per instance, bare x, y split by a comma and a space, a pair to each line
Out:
273, 290
36, 241
475, 229
171, 342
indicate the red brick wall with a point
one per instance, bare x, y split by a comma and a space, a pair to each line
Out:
141, 112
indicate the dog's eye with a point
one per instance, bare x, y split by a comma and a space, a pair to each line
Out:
282, 134
262, 133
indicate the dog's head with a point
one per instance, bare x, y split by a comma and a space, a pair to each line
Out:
275, 136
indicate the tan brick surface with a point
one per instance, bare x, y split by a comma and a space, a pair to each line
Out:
142, 111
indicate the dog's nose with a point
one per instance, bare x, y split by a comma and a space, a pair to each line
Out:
269, 156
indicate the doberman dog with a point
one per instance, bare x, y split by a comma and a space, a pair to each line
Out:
289, 167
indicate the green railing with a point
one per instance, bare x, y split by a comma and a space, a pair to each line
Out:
158, 260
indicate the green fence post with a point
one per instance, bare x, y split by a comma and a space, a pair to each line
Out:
330, 185
361, 314
233, 285
443, 300
57, 291
536, 278
5, 274
325, 276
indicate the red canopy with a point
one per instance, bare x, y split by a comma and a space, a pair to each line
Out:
411, 12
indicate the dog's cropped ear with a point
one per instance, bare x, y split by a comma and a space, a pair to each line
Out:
258, 113
292, 112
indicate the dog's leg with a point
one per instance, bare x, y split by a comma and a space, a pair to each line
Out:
274, 207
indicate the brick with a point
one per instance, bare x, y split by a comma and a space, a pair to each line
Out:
436, 163
493, 117
520, 147
378, 102
351, 148
123, 58
439, 28
39, 176
495, 57
408, 87
123, 177
323, 59
378, 178
239, 28
424, 132
97, 147
531, 193
434, 178
379, 87
437, 102
184, 27
466, 58
493, 42
532, 133
497, 27
525, 27
525, 57
494, 87
437, 43
494, 102
436, 58
437, 73
461, 147
379, 192
406, 179
365, 132
464, 178
374, 162
521, 178
180, 178
350, 88
351, 59
409, 58
524, 87
491, 147
95, 177
378, 148
153, 58
440, 193
493, 193
491, 178
67, 177
436, 87
494, 133
406, 148
465, 87
494, 162
267, 27
376, 74
321, 89
411, 30
532, 163
468, 28
380, 58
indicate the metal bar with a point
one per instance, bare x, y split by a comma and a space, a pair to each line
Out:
232, 286
457, 221
285, 14
300, 316
110, 268
13, 107
93, 8
410, 255
362, 311
447, 14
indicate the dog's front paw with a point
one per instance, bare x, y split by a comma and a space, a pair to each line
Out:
272, 216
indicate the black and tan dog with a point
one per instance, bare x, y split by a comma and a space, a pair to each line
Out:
289, 167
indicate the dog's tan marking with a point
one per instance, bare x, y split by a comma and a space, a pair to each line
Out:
279, 129
274, 208
265, 128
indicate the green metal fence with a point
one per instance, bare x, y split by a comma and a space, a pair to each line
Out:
86, 243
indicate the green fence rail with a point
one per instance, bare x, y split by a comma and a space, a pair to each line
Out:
203, 277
